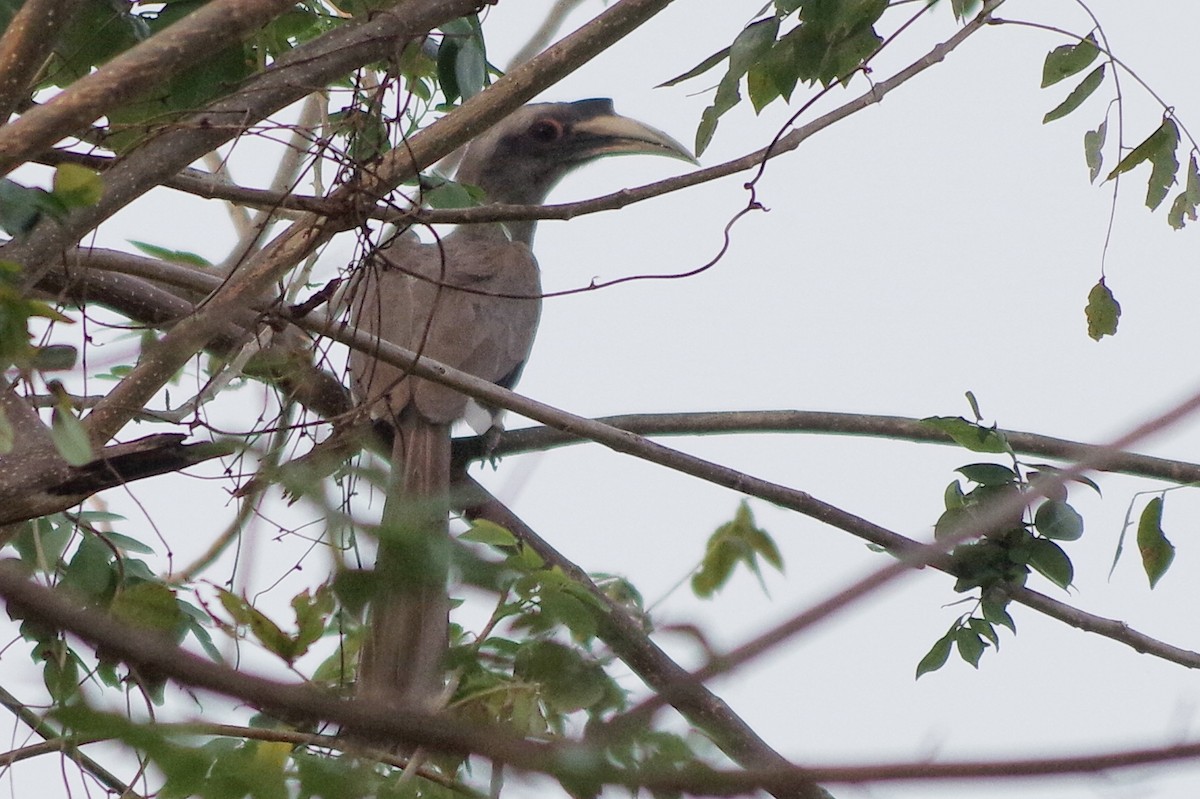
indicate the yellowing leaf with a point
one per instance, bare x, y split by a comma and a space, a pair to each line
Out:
1157, 552
77, 186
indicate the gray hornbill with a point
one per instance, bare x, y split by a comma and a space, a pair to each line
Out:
471, 301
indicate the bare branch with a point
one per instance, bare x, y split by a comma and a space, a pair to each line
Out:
54, 737
900, 428
546, 31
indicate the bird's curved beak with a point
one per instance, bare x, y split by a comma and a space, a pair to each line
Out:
614, 134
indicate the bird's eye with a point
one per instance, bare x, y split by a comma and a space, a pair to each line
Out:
546, 130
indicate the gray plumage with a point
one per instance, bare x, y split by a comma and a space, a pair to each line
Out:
470, 301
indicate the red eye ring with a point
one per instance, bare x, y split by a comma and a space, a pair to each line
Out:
546, 130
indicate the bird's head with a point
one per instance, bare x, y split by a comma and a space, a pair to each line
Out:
521, 158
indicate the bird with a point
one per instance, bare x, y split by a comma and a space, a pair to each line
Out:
470, 300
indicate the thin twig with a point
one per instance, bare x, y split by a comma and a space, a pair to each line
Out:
36, 723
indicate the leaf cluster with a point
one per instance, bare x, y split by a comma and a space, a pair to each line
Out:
97, 569
828, 42
1015, 546
1159, 149
736, 542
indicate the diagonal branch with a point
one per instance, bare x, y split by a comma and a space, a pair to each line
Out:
25, 46
566, 428
36, 723
911, 553
630, 642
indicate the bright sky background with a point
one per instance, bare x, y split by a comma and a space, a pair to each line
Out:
940, 242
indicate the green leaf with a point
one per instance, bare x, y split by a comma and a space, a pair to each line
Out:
53, 357
1046, 469
1093, 149
568, 682
122, 542
1058, 520
1075, 99
174, 256
484, 532
1102, 312
751, 44
699, 69
312, 612
996, 610
450, 194
970, 645
149, 605
90, 573
462, 59
1159, 149
953, 497
1049, 559
937, 655
267, 632
970, 435
988, 474
964, 8
77, 186
1183, 209
736, 541
6, 433
1069, 59
69, 437
1157, 552
952, 521
984, 629
22, 207
974, 403
761, 86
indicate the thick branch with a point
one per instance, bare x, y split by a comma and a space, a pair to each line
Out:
25, 46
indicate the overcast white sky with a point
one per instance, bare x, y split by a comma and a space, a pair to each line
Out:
943, 241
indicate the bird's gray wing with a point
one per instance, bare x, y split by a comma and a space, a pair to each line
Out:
470, 302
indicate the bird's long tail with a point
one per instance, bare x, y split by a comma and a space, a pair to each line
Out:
408, 626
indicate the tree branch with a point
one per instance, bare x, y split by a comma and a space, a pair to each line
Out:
27, 43
52, 736
618, 433
137, 646
630, 642
900, 428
